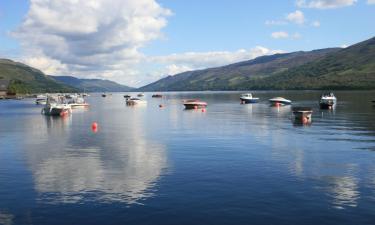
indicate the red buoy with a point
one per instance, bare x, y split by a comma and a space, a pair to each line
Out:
203, 110
94, 127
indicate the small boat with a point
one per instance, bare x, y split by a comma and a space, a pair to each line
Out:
157, 96
302, 114
248, 98
127, 96
135, 101
327, 101
78, 102
41, 100
279, 101
56, 106
140, 95
104, 95
194, 104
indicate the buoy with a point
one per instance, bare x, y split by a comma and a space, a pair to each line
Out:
94, 127
195, 107
161, 106
203, 110
305, 120
278, 104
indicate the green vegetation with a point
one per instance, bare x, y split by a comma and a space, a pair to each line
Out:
92, 85
25, 79
335, 68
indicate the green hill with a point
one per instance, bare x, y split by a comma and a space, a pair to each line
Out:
92, 85
25, 79
334, 68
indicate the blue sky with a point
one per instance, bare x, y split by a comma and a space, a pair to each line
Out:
145, 40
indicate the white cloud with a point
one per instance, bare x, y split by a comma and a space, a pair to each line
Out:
325, 4
177, 63
90, 37
280, 34
275, 22
296, 17
315, 24
344, 46
175, 69
370, 2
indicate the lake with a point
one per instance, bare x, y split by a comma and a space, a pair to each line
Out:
233, 164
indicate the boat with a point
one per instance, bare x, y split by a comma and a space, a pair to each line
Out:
279, 101
41, 100
78, 102
248, 98
135, 101
157, 96
104, 95
327, 101
56, 106
302, 114
194, 104
140, 95
127, 96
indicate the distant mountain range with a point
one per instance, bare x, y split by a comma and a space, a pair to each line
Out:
334, 68
92, 85
25, 79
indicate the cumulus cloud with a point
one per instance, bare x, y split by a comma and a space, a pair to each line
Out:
325, 4
370, 2
280, 34
296, 17
275, 22
87, 37
177, 63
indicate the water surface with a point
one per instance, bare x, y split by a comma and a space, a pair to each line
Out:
233, 164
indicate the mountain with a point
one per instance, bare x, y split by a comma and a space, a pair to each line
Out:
92, 85
25, 79
332, 68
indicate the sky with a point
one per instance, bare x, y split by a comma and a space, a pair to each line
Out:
135, 42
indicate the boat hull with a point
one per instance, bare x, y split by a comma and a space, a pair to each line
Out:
249, 101
195, 105
326, 104
278, 103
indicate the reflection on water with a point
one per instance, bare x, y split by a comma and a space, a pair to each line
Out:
6, 218
123, 166
344, 191
231, 162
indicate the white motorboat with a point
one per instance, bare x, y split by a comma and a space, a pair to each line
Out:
135, 101
41, 100
327, 101
56, 106
78, 102
279, 101
248, 98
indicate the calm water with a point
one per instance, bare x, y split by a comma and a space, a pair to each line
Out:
233, 164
